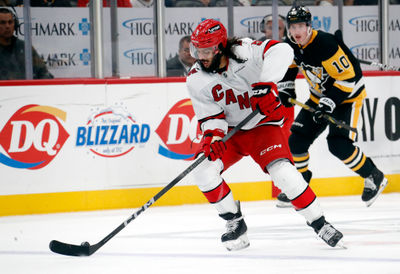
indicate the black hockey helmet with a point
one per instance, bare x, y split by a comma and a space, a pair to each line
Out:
298, 14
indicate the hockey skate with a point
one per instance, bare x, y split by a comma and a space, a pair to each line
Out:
327, 232
236, 237
283, 201
374, 185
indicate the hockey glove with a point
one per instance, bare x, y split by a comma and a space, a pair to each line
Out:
213, 147
265, 97
326, 105
286, 91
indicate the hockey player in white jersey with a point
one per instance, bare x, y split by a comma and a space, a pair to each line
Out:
230, 79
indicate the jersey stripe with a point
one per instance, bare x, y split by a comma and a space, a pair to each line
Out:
269, 45
220, 115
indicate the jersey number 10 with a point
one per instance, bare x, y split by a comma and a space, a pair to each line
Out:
344, 64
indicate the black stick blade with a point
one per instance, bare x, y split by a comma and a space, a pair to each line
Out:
69, 249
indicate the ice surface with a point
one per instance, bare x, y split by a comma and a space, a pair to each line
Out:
185, 239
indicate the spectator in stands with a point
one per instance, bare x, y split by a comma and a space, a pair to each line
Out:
106, 3
195, 3
11, 3
12, 57
245, 3
324, 3
367, 2
51, 3
266, 27
170, 3
142, 3
360, 2
4, 3
181, 63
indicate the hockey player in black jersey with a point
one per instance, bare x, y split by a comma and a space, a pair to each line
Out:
336, 88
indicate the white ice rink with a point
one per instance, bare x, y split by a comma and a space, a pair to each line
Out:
185, 239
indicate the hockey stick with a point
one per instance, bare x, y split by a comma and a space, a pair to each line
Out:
85, 249
382, 66
339, 124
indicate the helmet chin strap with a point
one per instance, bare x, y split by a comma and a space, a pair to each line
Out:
309, 32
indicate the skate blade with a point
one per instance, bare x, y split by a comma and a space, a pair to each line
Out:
381, 188
240, 243
281, 204
341, 245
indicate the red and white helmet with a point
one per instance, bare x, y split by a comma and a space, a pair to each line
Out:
209, 34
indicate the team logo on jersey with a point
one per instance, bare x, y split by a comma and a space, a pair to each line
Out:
32, 137
111, 132
179, 132
315, 76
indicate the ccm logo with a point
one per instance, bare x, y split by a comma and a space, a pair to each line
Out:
268, 149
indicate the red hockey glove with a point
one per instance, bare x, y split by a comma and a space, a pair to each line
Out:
326, 105
213, 147
265, 97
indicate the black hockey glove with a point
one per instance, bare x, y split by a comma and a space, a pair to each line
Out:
326, 105
286, 91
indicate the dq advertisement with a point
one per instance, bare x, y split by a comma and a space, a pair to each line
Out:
95, 137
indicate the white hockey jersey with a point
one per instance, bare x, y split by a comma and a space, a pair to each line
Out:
222, 100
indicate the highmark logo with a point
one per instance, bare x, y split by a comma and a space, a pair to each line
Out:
252, 24
84, 56
111, 132
322, 23
143, 26
32, 137
141, 56
84, 26
366, 51
179, 131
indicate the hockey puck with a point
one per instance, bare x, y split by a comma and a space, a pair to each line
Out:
85, 244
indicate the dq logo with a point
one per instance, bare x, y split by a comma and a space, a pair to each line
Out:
180, 132
33, 137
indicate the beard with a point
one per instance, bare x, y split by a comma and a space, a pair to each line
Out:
214, 66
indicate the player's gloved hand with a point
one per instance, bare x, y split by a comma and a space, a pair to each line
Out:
326, 105
286, 91
213, 147
265, 97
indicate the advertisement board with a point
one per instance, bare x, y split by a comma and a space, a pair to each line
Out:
94, 137
62, 36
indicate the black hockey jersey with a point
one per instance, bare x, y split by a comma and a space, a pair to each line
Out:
329, 67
